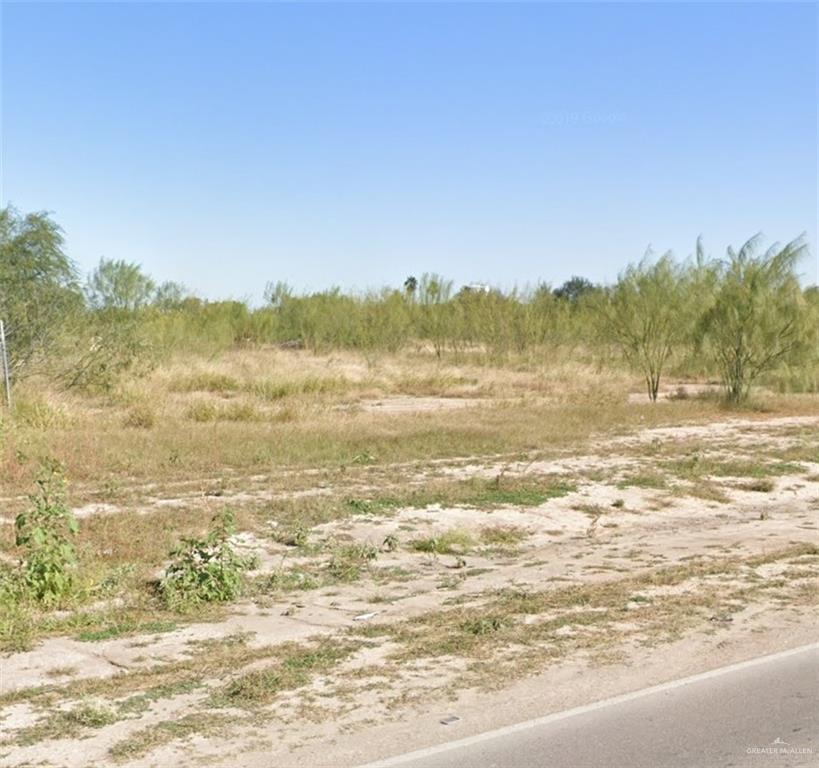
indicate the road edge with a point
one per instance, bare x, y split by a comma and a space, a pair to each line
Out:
583, 709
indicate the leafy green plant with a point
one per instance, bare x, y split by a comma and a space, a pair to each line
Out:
46, 532
206, 570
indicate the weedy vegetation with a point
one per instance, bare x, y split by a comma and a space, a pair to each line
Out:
206, 570
442, 481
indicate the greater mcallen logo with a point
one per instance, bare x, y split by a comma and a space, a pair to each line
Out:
779, 747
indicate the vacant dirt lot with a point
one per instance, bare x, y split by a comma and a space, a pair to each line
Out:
391, 594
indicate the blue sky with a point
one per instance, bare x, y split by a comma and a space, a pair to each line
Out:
225, 145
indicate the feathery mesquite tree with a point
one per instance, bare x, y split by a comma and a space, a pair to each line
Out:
759, 316
649, 314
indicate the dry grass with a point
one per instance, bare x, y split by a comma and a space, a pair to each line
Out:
233, 414
226, 396
147, 739
277, 437
488, 631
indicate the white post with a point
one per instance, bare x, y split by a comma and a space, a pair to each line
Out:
5, 360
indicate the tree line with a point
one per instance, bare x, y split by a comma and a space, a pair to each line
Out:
739, 317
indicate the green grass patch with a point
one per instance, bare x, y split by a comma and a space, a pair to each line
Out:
290, 580
477, 492
650, 480
68, 724
503, 536
148, 739
455, 541
698, 466
294, 668
123, 628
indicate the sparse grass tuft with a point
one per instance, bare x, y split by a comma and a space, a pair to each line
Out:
273, 390
294, 668
503, 536
204, 381
455, 541
149, 739
206, 411
476, 492
38, 413
348, 561
644, 480
296, 536
698, 465
129, 626
63, 724
291, 580
202, 411
761, 485
140, 416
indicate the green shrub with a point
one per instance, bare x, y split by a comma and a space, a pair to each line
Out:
206, 570
46, 532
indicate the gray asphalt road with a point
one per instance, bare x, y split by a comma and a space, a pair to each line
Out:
765, 713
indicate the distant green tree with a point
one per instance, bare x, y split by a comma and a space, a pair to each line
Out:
575, 288
410, 286
119, 285
434, 294
39, 293
276, 294
759, 317
169, 295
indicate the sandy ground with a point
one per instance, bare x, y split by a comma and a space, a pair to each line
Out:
378, 702
561, 687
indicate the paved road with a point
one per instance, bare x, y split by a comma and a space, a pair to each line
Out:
727, 718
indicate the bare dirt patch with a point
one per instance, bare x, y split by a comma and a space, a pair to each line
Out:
417, 588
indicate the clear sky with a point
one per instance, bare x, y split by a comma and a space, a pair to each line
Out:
225, 145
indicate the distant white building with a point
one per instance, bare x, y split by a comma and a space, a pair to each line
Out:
477, 287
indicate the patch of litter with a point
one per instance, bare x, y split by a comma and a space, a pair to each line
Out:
450, 719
